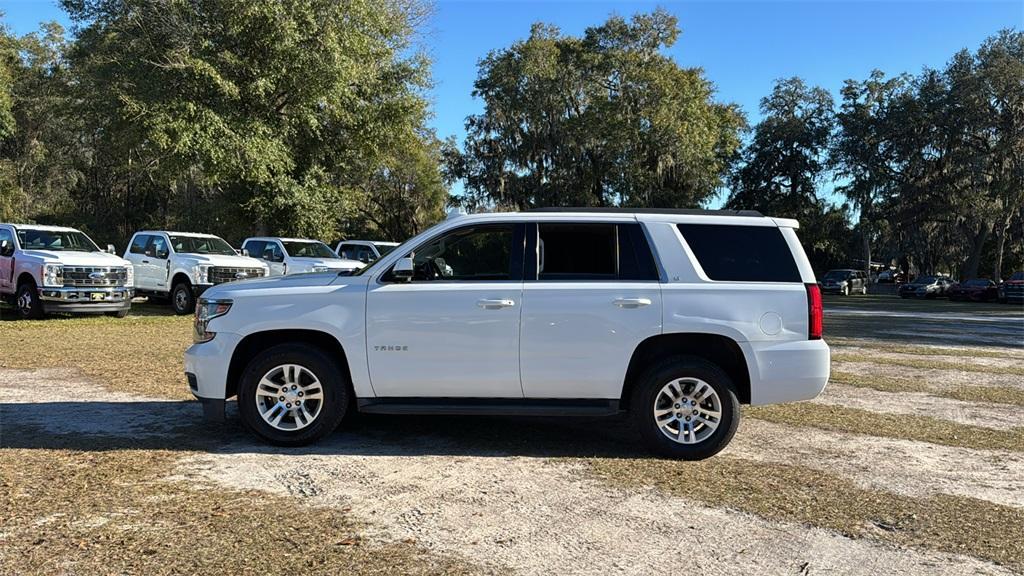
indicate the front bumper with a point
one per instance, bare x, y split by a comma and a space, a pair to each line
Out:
86, 299
206, 368
831, 289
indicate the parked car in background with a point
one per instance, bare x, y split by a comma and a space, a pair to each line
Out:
674, 317
297, 255
891, 277
845, 282
978, 289
181, 265
365, 251
1012, 290
926, 287
54, 269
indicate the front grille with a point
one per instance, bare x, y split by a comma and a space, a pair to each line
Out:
221, 274
90, 276
1015, 289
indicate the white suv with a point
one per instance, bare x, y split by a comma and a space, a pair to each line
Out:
676, 317
53, 269
181, 265
297, 255
365, 251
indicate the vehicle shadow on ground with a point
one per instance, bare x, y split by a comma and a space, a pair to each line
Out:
178, 426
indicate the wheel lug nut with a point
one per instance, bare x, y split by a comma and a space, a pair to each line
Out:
687, 418
677, 405
300, 394
289, 405
281, 398
694, 412
294, 387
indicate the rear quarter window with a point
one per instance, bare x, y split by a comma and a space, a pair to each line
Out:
741, 253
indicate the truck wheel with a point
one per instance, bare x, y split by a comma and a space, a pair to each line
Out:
685, 408
27, 302
292, 395
182, 299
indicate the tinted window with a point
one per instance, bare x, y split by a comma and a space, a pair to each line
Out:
6, 236
741, 253
139, 244
636, 262
255, 248
473, 253
577, 251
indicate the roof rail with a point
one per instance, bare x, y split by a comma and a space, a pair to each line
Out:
681, 211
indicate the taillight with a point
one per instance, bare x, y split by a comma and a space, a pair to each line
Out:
815, 312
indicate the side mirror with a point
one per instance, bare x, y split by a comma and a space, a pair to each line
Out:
245, 251
403, 270
111, 249
6, 248
163, 254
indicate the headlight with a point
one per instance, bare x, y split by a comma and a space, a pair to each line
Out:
53, 275
207, 310
201, 272
320, 269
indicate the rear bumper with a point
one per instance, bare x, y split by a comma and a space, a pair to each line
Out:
74, 299
786, 372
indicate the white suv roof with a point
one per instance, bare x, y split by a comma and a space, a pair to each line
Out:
42, 227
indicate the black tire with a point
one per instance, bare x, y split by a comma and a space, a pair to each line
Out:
645, 394
27, 292
183, 301
118, 314
333, 382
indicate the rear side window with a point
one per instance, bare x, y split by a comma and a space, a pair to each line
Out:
741, 253
594, 251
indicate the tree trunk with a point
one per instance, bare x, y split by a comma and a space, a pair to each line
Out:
997, 273
970, 269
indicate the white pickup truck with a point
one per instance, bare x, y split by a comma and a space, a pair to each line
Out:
181, 265
365, 251
53, 269
297, 256
674, 317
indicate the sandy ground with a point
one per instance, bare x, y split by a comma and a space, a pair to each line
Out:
983, 414
938, 378
539, 515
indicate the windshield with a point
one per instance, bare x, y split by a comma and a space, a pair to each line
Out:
201, 245
308, 250
63, 241
837, 275
384, 248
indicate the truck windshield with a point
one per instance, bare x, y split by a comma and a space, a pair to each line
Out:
201, 245
384, 248
55, 241
308, 250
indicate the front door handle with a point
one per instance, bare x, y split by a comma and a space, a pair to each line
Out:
632, 302
494, 304
145, 261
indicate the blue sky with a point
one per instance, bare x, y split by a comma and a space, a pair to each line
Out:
742, 46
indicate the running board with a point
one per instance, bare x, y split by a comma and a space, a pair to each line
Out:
489, 406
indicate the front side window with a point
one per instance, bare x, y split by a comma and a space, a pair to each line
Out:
308, 250
255, 248
201, 245
157, 247
6, 236
55, 241
349, 251
139, 244
741, 253
474, 253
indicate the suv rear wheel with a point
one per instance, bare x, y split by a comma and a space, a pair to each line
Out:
292, 395
686, 408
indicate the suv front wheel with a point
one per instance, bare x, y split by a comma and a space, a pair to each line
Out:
292, 395
686, 408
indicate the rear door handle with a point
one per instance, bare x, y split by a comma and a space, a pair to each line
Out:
494, 304
632, 302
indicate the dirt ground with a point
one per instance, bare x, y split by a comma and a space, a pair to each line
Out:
908, 464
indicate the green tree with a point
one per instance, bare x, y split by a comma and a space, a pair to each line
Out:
783, 164
235, 116
599, 120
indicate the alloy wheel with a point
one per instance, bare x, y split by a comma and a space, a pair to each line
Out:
688, 410
289, 397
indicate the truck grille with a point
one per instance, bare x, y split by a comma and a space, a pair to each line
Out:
88, 276
221, 274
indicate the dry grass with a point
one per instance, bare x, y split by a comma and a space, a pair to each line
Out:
993, 394
900, 426
797, 494
64, 511
138, 354
928, 364
929, 350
